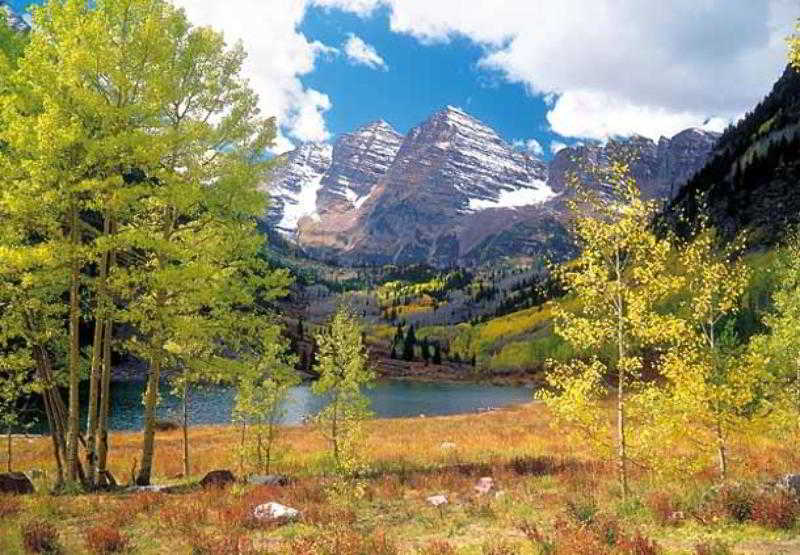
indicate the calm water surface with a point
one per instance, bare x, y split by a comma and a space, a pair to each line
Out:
390, 399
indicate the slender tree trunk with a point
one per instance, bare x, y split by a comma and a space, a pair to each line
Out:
241, 445
105, 403
94, 389
97, 353
622, 455
53, 435
185, 430
105, 381
722, 454
73, 418
151, 399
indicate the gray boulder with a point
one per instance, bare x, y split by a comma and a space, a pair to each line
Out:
790, 484
15, 483
218, 478
268, 480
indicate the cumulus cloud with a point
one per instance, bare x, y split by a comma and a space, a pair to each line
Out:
359, 52
613, 67
605, 68
278, 55
531, 145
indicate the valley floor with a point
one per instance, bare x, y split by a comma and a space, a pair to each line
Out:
549, 496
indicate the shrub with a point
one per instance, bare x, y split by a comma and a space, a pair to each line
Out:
775, 510
664, 509
582, 511
105, 539
438, 547
637, 544
39, 536
717, 547
9, 506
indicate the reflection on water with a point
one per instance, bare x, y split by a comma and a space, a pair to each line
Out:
390, 399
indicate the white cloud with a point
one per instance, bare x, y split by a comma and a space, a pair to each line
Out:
632, 65
605, 67
359, 52
557, 146
278, 55
531, 145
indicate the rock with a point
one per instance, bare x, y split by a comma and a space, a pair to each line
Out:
499, 494
790, 484
275, 511
268, 480
150, 489
437, 500
446, 445
218, 478
484, 485
16, 483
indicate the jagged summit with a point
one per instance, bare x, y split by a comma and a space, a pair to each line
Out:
451, 191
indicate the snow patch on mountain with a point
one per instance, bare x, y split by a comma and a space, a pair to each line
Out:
538, 193
298, 206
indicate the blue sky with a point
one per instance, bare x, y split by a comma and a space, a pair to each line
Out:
542, 73
420, 80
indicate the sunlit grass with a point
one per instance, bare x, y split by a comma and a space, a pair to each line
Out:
547, 484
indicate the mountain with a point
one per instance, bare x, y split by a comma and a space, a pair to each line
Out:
660, 168
752, 179
450, 192
14, 20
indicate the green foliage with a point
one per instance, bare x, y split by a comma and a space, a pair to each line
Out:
261, 393
619, 278
344, 371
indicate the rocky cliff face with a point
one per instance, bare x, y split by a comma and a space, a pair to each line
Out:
660, 168
451, 191
13, 19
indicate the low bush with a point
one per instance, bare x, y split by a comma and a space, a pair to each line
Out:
9, 506
105, 539
776, 510
39, 536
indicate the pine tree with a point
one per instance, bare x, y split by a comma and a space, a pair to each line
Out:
409, 344
425, 352
437, 354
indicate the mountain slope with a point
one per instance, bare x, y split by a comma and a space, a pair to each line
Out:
752, 181
660, 168
451, 192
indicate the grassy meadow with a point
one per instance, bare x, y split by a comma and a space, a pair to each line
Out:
550, 496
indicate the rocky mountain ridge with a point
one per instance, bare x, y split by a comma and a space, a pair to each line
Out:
452, 191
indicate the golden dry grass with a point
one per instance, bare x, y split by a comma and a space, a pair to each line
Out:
552, 491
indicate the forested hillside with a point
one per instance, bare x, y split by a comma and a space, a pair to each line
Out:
752, 181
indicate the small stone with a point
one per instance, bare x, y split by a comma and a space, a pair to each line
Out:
268, 480
218, 478
275, 511
790, 484
16, 483
499, 494
484, 485
446, 445
437, 500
